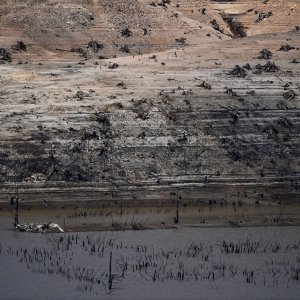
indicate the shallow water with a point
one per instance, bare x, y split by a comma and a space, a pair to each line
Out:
155, 216
186, 263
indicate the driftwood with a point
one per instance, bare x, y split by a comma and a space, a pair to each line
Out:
289, 95
95, 46
125, 49
181, 40
39, 228
19, 46
267, 67
262, 16
126, 32
238, 72
216, 26
236, 27
286, 48
205, 85
295, 61
164, 3
113, 66
265, 54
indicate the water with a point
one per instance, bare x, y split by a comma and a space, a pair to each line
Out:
185, 263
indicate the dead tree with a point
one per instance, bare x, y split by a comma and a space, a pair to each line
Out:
176, 218
110, 278
14, 201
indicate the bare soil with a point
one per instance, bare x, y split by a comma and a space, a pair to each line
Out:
168, 116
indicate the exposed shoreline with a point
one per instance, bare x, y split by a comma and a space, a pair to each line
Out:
115, 218
95, 228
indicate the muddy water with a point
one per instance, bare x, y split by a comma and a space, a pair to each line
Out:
162, 216
185, 263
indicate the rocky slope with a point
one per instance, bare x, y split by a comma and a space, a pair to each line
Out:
139, 101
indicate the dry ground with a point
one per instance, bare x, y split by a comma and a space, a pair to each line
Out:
166, 118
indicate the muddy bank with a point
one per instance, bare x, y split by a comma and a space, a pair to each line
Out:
163, 216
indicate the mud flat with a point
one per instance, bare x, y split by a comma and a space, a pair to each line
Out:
118, 217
